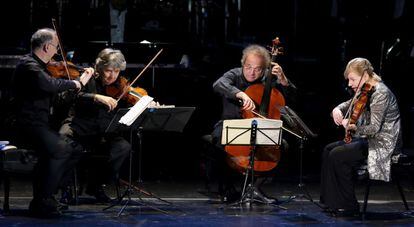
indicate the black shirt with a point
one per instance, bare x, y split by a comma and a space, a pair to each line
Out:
233, 82
88, 117
34, 89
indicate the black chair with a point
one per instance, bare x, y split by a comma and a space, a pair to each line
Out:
15, 162
399, 165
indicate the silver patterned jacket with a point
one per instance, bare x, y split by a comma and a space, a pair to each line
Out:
380, 124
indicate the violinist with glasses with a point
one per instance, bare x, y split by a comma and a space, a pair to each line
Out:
372, 131
256, 62
34, 90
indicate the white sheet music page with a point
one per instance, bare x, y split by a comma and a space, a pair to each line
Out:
136, 110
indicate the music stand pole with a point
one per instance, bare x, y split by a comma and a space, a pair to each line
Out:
301, 185
250, 188
249, 192
128, 191
139, 135
130, 188
140, 190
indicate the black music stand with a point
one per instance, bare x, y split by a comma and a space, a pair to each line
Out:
302, 132
253, 132
152, 119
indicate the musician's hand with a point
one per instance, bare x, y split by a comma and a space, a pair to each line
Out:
351, 127
278, 71
344, 123
154, 104
78, 84
86, 75
337, 116
106, 100
248, 103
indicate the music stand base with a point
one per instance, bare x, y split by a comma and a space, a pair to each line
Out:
306, 195
129, 201
140, 190
252, 195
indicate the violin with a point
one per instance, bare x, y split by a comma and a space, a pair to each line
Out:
58, 69
268, 100
124, 88
358, 108
132, 95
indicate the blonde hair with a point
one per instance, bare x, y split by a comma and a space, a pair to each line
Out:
258, 51
361, 65
109, 57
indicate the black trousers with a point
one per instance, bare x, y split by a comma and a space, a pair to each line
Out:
117, 149
114, 148
337, 175
56, 153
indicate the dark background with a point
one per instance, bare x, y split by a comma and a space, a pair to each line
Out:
319, 38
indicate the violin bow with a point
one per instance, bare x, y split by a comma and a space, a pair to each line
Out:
60, 48
136, 78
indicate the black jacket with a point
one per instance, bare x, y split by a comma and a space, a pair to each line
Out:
34, 90
233, 82
87, 117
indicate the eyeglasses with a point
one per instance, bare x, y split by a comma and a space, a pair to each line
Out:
255, 69
55, 46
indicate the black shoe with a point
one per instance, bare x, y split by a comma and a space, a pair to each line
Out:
67, 196
45, 208
99, 194
62, 207
345, 213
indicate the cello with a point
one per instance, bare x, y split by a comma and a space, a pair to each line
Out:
268, 101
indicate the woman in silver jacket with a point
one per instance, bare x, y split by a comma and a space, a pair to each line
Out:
375, 136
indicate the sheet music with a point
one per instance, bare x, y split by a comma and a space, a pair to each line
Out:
136, 110
238, 131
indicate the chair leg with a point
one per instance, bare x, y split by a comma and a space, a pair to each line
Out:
75, 186
397, 182
6, 205
367, 188
118, 193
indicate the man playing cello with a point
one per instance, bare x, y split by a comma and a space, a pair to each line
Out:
231, 87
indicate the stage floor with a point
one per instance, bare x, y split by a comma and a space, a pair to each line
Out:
193, 205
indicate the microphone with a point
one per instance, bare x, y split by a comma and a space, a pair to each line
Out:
392, 47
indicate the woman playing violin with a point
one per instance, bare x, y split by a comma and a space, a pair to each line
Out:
92, 112
374, 135
231, 87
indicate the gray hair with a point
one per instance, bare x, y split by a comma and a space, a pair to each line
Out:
109, 57
361, 65
41, 36
258, 51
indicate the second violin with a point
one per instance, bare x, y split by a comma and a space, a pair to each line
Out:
132, 94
